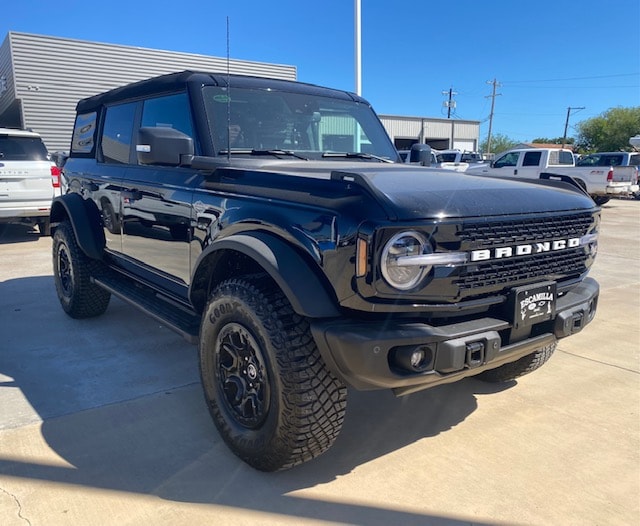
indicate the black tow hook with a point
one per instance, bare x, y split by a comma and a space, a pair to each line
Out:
475, 354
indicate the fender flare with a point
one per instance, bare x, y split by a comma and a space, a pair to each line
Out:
85, 220
291, 272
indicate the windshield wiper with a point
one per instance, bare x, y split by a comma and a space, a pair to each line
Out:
357, 155
274, 152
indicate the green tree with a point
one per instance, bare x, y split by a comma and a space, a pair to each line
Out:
499, 143
557, 140
610, 131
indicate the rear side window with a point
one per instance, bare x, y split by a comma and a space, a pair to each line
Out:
531, 159
84, 132
557, 157
13, 148
117, 132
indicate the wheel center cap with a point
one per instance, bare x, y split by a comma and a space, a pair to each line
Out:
252, 371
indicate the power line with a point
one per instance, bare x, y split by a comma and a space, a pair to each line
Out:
573, 78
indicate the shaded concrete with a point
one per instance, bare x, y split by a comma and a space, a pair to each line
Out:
102, 422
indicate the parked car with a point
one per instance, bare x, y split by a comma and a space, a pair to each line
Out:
599, 181
309, 257
29, 180
618, 163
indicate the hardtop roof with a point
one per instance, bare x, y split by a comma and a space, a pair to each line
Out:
180, 80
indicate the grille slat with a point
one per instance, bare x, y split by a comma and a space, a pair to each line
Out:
489, 234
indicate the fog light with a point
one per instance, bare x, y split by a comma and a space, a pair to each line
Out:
417, 358
411, 358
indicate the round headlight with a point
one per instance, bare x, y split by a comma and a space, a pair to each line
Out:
400, 245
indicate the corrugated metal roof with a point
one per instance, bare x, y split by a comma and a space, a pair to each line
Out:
52, 73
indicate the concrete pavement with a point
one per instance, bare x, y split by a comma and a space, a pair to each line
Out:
102, 422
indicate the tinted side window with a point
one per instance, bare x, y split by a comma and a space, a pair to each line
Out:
117, 132
612, 160
590, 160
531, 159
14, 148
84, 133
169, 112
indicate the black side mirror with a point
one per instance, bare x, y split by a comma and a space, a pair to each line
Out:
421, 153
165, 146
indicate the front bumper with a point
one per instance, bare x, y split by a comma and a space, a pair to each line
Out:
365, 353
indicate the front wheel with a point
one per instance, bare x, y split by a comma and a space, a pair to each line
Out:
525, 365
601, 199
270, 394
79, 297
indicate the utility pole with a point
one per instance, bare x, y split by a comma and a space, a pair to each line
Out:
449, 103
566, 123
493, 96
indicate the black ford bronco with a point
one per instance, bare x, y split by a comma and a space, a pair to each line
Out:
273, 224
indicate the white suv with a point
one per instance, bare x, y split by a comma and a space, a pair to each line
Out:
28, 178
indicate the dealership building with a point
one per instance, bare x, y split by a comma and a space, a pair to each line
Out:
43, 77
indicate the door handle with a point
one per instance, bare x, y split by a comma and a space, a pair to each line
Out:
515, 171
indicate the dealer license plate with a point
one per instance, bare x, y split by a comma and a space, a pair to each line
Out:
534, 304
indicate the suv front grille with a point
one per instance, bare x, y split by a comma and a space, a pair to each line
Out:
500, 274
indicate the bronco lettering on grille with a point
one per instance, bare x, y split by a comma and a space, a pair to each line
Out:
524, 250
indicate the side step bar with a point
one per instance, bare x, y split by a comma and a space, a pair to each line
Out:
169, 313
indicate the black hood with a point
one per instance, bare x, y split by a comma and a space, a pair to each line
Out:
410, 192
423, 193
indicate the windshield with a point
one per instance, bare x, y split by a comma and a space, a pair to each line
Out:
246, 121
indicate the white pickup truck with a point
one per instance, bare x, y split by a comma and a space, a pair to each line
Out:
600, 182
456, 160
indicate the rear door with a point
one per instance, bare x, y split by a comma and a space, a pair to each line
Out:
529, 165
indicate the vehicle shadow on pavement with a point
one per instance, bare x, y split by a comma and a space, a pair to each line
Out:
159, 440
18, 233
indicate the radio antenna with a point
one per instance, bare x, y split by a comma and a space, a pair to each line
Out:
228, 97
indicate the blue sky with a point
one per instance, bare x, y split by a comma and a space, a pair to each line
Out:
547, 56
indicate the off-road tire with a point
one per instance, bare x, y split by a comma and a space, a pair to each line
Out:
513, 370
269, 392
72, 270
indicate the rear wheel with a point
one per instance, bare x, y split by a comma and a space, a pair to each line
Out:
72, 269
270, 394
525, 365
